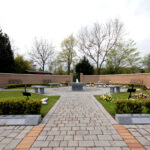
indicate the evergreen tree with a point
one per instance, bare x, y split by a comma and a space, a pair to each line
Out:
7, 64
84, 67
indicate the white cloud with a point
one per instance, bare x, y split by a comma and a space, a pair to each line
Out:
56, 19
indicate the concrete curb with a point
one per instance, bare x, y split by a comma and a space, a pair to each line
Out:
112, 120
46, 118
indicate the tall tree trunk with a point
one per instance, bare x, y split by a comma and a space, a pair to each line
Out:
43, 68
68, 68
98, 69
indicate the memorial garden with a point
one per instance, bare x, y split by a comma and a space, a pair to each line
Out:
89, 92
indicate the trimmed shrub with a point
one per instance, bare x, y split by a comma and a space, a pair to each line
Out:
33, 106
147, 105
9, 86
128, 106
136, 85
134, 106
120, 106
20, 106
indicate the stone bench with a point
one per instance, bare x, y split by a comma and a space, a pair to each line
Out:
36, 87
54, 84
113, 87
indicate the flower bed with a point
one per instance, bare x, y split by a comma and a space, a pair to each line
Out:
109, 102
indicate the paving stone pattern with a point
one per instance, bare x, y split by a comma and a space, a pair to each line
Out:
29, 139
142, 134
130, 140
77, 123
11, 136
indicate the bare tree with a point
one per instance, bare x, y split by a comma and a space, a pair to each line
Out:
96, 42
41, 52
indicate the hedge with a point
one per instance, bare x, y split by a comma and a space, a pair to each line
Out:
12, 106
147, 105
129, 106
65, 83
9, 86
136, 85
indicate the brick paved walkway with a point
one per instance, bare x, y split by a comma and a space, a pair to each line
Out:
76, 122
10, 136
142, 134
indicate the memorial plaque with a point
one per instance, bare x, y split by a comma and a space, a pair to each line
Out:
131, 90
25, 93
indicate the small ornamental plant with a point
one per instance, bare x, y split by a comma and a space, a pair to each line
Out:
107, 97
141, 96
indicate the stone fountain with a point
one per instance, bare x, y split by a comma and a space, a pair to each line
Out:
77, 86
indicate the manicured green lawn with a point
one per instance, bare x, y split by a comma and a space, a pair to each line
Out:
18, 94
110, 106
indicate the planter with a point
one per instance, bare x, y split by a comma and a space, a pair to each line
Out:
129, 119
24, 120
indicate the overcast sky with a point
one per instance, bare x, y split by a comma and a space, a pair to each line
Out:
54, 20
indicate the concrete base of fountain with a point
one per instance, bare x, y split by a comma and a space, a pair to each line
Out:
77, 86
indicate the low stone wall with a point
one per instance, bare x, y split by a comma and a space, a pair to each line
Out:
141, 78
6, 78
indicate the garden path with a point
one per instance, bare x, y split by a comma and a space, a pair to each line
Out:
79, 122
76, 122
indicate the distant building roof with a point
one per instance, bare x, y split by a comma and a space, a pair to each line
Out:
37, 72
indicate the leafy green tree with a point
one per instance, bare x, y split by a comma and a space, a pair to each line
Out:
56, 67
84, 67
146, 63
6, 54
21, 64
125, 55
68, 54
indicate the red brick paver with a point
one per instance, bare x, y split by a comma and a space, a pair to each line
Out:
130, 140
29, 139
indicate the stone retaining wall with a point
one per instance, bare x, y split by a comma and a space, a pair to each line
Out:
6, 78
141, 78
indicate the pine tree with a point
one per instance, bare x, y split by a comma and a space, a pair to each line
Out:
84, 67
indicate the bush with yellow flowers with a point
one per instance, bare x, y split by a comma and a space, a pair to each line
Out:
107, 97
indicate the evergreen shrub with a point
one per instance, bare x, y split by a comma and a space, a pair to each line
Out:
14, 106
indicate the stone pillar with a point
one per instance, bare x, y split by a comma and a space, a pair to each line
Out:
71, 74
81, 77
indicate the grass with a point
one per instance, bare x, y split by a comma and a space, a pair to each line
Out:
110, 106
50, 102
18, 94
